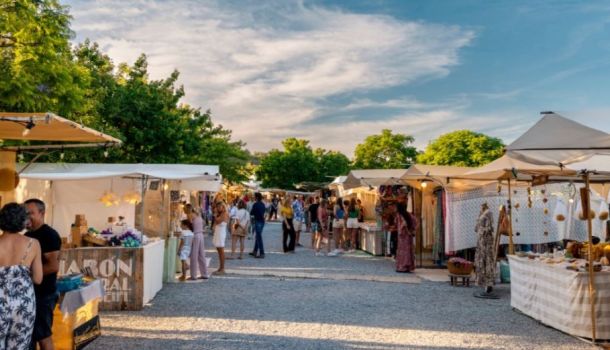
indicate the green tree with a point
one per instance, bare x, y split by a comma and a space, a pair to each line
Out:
331, 164
385, 151
299, 163
462, 148
37, 70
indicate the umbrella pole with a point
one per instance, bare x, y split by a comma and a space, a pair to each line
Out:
509, 212
586, 209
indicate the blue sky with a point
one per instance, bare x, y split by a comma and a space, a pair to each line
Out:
334, 72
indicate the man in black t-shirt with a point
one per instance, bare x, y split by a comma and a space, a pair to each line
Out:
313, 216
46, 292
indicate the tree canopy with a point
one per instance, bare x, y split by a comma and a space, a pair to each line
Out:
298, 162
37, 72
385, 151
40, 71
462, 148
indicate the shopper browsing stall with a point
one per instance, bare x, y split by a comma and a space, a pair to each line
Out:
186, 242
221, 220
258, 213
46, 291
198, 260
20, 265
241, 224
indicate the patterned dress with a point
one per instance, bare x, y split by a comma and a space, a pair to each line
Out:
17, 307
484, 259
405, 255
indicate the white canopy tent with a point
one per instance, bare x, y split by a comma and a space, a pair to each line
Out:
373, 178
71, 189
557, 140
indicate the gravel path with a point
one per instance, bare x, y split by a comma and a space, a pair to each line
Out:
350, 302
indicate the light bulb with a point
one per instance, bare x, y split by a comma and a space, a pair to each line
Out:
424, 184
25, 132
105, 153
61, 156
21, 156
571, 200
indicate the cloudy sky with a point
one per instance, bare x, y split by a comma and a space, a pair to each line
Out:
336, 71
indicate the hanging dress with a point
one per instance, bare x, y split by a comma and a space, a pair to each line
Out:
484, 259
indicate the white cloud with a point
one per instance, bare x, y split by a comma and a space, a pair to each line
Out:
267, 68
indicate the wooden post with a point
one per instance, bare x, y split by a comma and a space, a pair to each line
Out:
509, 212
586, 210
7, 176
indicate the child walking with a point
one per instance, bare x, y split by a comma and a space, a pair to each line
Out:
184, 249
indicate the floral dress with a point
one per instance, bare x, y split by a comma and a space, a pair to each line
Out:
484, 259
17, 306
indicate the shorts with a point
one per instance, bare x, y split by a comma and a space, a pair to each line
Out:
185, 253
352, 223
297, 225
338, 223
45, 304
315, 227
220, 235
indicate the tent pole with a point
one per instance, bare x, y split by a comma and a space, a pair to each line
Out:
586, 209
511, 245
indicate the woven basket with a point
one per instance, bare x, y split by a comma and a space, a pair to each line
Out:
459, 269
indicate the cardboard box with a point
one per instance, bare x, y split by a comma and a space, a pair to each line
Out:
77, 233
80, 220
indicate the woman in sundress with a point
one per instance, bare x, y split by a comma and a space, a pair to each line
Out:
20, 267
406, 225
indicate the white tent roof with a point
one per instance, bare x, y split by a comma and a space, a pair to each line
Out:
507, 167
555, 139
373, 177
80, 171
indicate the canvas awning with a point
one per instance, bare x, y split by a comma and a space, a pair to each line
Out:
507, 167
442, 175
557, 140
80, 171
48, 127
373, 178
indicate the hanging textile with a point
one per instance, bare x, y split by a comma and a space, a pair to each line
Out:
427, 222
533, 225
438, 249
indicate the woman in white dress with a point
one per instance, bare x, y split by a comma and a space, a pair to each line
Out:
221, 220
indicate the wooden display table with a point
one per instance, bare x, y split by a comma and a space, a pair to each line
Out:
131, 276
559, 297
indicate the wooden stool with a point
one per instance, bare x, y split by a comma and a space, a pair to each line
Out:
453, 280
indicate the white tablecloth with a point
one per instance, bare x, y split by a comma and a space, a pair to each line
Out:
559, 297
74, 299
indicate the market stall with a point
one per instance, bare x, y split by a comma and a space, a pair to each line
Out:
430, 184
117, 220
368, 186
556, 150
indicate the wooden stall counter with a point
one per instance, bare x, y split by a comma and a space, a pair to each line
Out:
131, 277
